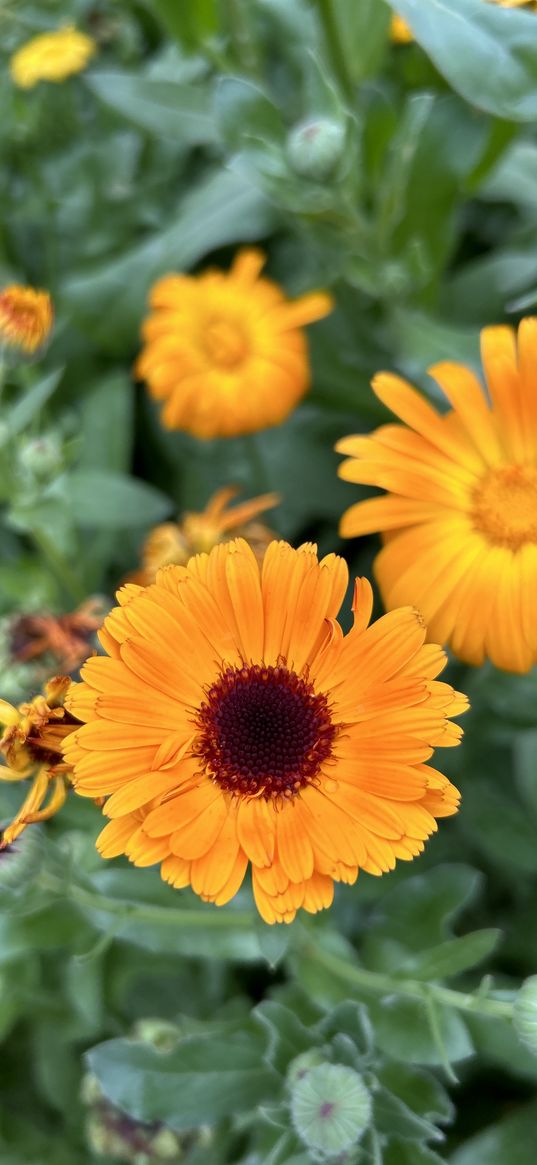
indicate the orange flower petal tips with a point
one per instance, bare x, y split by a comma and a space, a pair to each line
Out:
459, 516
226, 353
232, 724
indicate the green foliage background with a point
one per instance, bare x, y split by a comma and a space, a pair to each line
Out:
175, 147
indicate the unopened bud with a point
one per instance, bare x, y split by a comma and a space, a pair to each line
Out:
41, 457
525, 1014
330, 1108
315, 147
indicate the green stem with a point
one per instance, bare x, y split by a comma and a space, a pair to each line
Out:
331, 32
379, 983
170, 916
59, 567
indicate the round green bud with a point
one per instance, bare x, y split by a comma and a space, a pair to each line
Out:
163, 1035
525, 1014
330, 1108
40, 457
315, 147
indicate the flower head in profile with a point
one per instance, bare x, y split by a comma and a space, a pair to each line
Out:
226, 353
459, 518
26, 318
65, 640
52, 56
32, 748
401, 33
197, 533
232, 722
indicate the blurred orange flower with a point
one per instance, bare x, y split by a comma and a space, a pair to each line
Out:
199, 532
26, 318
52, 56
67, 638
225, 352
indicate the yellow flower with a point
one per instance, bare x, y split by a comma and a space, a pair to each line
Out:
460, 517
198, 533
53, 56
233, 722
26, 318
225, 352
31, 745
401, 33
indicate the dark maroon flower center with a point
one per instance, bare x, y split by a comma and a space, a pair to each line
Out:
263, 731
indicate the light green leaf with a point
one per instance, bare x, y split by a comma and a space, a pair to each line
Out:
402, 1030
106, 423
204, 1079
243, 109
33, 400
181, 113
363, 33
487, 54
103, 500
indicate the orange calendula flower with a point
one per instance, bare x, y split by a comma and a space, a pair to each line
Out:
401, 33
198, 533
226, 353
233, 723
26, 318
460, 518
52, 56
32, 747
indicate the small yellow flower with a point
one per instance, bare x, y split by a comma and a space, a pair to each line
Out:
401, 33
225, 353
53, 56
198, 533
459, 518
31, 745
26, 318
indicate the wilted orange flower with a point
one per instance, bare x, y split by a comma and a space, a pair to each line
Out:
401, 33
67, 638
233, 722
26, 318
225, 352
460, 517
52, 56
31, 745
198, 533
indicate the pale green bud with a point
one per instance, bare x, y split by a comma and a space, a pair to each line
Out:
525, 1014
315, 147
40, 457
330, 1108
303, 1064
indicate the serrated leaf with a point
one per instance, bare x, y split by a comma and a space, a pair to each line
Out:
204, 1079
286, 1034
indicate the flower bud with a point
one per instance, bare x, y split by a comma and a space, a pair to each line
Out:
525, 1014
40, 458
315, 147
330, 1108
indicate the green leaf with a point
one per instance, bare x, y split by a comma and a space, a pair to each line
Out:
243, 109
487, 54
418, 912
363, 34
501, 827
512, 1140
218, 210
420, 1090
394, 1118
452, 957
409, 1153
287, 1035
33, 400
514, 179
204, 1079
106, 422
103, 500
402, 1030
181, 113
190, 24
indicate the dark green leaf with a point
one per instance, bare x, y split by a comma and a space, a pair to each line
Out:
452, 957
181, 113
204, 1079
512, 1140
242, 108
103, 500
363, 33
106, 424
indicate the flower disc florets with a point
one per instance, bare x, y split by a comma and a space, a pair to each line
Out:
264, 731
